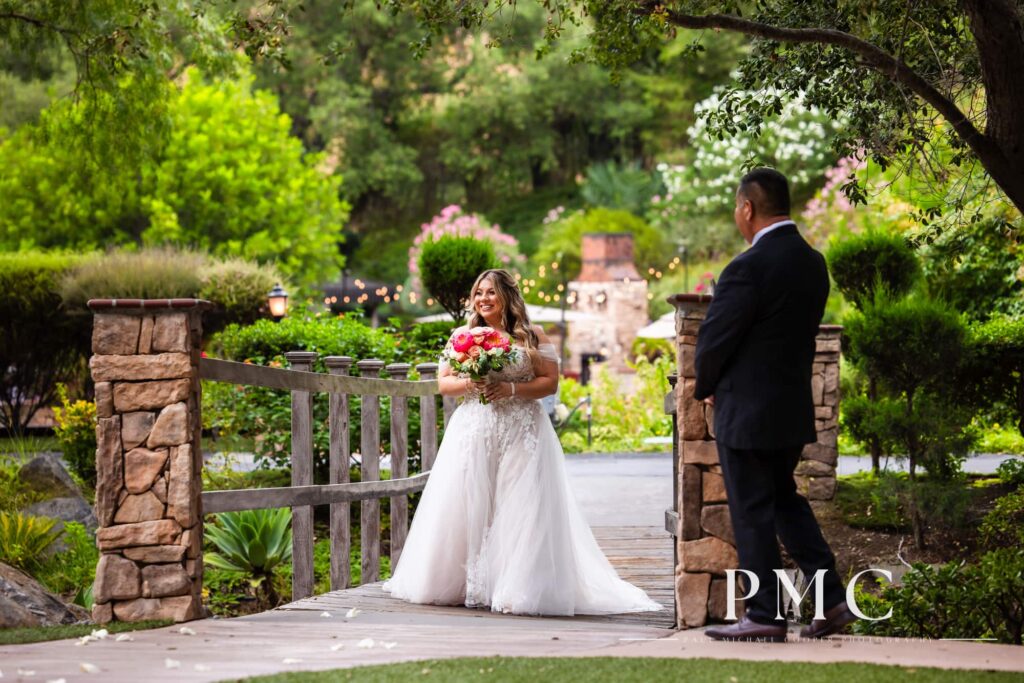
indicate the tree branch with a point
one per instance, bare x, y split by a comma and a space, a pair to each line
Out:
872, 56
38, 23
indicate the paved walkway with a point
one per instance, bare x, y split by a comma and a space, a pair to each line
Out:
316, 634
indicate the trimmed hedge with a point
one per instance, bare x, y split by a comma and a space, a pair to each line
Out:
41, 345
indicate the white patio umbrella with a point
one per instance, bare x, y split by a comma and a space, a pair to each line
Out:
662, 328
538, 314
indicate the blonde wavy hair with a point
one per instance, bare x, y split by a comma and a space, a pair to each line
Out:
514, 316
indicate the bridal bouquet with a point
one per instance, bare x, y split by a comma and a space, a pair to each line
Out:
478, 351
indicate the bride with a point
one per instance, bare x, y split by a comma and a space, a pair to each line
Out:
497, 525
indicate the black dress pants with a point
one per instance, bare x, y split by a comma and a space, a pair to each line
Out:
765, 507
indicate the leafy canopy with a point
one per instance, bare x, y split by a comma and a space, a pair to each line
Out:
227, 178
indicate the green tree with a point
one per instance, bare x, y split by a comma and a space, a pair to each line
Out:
890, 69
228, 178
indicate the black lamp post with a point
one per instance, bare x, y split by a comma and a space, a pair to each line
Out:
277, 300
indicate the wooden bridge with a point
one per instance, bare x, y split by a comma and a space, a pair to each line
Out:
641, 555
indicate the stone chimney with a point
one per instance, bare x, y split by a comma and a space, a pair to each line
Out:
611, 290
607, 256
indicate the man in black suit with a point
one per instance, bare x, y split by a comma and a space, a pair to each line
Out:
754, 355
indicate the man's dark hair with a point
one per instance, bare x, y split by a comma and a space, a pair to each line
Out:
767, 190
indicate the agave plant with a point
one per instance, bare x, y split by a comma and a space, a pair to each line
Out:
23, 539
252, 542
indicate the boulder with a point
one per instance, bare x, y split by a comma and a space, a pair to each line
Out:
66, 509
46, 475
25, 603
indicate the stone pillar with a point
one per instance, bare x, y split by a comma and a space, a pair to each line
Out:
705, 545
145, 364
816, 473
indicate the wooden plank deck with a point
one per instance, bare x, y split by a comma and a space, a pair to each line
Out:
641, 555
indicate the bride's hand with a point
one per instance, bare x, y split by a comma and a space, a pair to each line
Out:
476, 387
495, 391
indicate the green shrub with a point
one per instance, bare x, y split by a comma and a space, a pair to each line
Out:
974, 267
75, 430
621, 421
990, 377
1011, 472
156, 273
24, 539
73, 570
909, 345
955, 600
449, 266
14, 495
888, 501
861, 265
40, 344
1003, 526
265, 414
253, 543
239, 288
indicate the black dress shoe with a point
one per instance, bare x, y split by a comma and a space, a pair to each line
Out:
835, 619
745, 629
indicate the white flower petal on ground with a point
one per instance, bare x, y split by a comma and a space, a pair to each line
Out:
186, 631
88, 668
353, 613
366, 643
325, 615
124, 638
202, 667
100, 634
338, 646
291, 660
26, 672
56, 680
389, 645
172, 663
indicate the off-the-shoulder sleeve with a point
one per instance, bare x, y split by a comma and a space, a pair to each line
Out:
549, 353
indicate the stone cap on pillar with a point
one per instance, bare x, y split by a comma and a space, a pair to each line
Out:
139, 305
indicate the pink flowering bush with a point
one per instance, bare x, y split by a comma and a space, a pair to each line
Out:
454, 221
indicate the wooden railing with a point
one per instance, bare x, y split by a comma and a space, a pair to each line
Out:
303, 494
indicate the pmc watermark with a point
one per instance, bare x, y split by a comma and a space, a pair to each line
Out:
785, 583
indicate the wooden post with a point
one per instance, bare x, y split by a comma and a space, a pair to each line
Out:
302, 475
399, 462
428, 420
369, 518
340, 451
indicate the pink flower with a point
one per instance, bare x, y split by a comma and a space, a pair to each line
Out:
475, 351
461, 357
699, 288
495, 340
462, 341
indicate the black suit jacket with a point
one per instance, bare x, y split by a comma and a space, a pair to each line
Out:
755, 348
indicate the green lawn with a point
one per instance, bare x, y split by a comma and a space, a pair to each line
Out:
641, 670
18, 636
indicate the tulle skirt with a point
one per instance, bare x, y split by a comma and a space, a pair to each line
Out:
498, 526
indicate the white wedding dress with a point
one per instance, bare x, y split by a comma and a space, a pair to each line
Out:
498, 526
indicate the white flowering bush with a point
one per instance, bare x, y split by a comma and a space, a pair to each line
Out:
698, 203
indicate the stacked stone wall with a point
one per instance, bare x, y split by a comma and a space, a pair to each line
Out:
145, 368
706, 546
